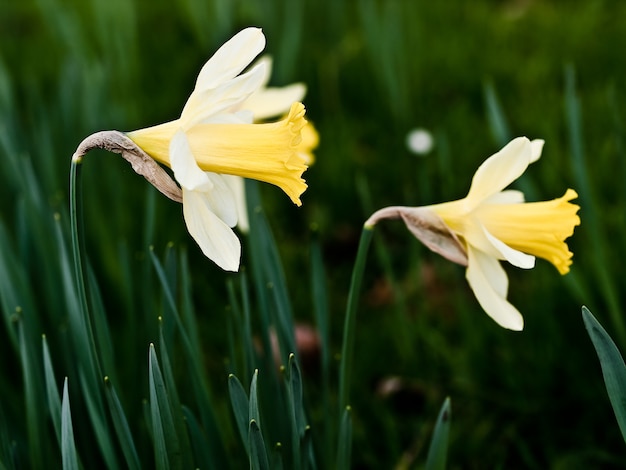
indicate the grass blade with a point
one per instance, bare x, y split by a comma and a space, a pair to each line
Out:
241, 408
120, 424
54, 401
254, 400
258, 454
438, 450
68, 447
344, 449
166, 444
613, 368
296, 415
590, 206
198, 440
175, 406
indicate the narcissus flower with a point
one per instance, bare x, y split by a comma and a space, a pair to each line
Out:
492, 224
215, 141
269, 103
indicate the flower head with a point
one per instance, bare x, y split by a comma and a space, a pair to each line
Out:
492, 224
215, 141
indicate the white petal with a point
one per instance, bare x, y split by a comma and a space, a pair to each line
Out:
500, 170
221, 199
216, 239
515, 257
489, 283
186, 170
536, 146
209, 102
230, 59
271, 102
238, 188
240, 117
508, 196
266, 60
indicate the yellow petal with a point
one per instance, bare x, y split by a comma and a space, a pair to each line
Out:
265, 152
536, 228
310, 141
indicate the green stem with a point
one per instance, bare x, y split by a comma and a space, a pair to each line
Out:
347, 349
78, 250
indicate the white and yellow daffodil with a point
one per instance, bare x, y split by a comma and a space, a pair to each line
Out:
215, 141
492, 224
268, 103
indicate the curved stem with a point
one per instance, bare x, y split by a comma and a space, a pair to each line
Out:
347, 348
142, 163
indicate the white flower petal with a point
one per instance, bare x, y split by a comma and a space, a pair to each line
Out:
267, 61
186, 170
209, 102
238, 187
240, 117
508, 196
216, 239
536, 147
221, 200
489, 283
271, 102
230, 59
515, 257
500, 170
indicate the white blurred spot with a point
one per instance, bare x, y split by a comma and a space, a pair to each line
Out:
420, 141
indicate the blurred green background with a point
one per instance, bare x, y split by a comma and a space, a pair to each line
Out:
475, 74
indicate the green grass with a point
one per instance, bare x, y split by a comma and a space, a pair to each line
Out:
474, 73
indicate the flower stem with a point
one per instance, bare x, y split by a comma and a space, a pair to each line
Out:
347, 349
78, 250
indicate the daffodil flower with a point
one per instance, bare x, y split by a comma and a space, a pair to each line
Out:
267, 103
215, 141
492, 224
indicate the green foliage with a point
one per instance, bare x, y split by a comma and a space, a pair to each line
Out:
474, 74
613, 367
438, 450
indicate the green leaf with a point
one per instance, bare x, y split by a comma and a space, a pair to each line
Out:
196, 373
295, 384
319, 292
198, 441
438, 450
598, 241
258, 454
175, 406
120, 424
308, 453
241, 408
52, 393
32, 388
166, 444
68, 448
613, 368
344, 448
296, 415
271, 282
254, 400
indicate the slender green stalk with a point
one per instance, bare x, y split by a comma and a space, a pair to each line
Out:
347, 348
78, 249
